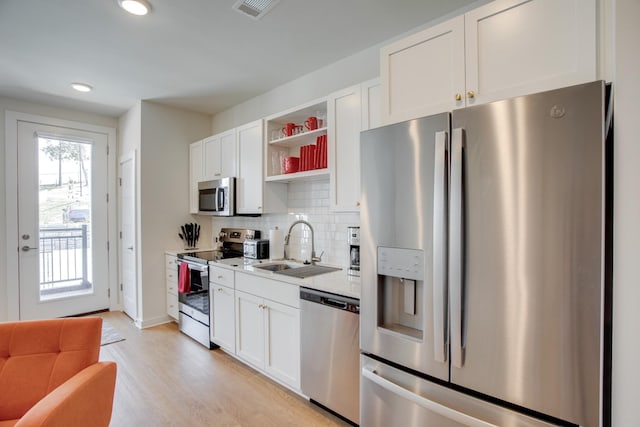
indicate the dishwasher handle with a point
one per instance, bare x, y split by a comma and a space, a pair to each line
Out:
338, 302
334, 303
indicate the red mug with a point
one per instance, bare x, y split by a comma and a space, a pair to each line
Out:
287, 130
311, 123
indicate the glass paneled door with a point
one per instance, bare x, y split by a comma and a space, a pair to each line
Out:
62, 221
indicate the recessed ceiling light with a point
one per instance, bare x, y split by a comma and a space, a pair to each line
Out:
136, 7
81, 87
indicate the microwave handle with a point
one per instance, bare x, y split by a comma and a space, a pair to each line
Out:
220, 199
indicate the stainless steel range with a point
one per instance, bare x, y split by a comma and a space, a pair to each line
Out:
193, 282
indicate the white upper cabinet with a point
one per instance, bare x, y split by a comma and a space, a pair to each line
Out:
344, 125
517, 47
422, 73
503, 49
220, 155
371, 104
195, 174
349, 111
249, 181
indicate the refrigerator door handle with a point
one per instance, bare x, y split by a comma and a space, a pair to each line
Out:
440, 197
456, 248
425, 403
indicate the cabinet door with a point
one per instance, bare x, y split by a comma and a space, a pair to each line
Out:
371, 104
250, 329
249, 181
195, 174
228, 153
211, 154
223, 330
282, 332
422, 74
517, 47
344, 120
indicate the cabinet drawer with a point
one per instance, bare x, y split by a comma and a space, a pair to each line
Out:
284, 293
172, 305
221, 276
171, 262
172, 287
171, 276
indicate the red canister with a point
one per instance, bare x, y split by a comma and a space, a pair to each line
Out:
291, 164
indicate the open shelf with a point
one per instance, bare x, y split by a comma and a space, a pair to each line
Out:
300, 176
303, 138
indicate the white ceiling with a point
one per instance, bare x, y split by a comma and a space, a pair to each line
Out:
195, 54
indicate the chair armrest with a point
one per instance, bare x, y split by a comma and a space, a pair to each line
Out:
86, 399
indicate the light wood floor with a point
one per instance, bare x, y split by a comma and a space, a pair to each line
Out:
167, 379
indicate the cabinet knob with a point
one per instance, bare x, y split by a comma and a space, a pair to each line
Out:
219, 289
471, 95
458, 97
220, 276
357, 203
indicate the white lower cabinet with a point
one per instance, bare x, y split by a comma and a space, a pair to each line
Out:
171, 282
268, 331
222, 317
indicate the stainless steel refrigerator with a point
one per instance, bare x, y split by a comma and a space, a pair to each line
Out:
483, 255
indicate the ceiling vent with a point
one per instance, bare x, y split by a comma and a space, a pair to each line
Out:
255, 9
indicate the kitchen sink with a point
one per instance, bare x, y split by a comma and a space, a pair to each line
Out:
307, 271
274, 267
296, 270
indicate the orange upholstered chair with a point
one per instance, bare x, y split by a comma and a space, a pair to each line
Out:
50, 374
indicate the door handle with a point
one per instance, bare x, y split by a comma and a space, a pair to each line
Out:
440, 198
456, 248
419, 400
28, 248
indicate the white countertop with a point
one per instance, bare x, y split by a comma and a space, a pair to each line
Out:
175, 252
337, 282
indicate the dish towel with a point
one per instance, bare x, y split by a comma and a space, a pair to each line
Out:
184, 284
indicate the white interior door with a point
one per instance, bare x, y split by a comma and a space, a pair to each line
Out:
128, 247
63, 259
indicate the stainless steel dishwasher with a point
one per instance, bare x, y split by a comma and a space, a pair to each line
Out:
330, 349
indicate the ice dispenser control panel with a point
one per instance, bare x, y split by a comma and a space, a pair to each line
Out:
400, 262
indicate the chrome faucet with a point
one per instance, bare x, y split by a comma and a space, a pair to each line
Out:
314, 259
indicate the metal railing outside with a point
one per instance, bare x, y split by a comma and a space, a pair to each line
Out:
64, 255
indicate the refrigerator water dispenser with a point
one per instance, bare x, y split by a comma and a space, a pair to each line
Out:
401, 285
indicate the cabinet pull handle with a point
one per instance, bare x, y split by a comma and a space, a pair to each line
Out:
458, 97
219, 289
220, 277
471, 95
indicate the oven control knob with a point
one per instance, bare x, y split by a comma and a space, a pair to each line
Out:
222, 235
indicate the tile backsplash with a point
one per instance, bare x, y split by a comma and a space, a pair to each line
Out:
308, 201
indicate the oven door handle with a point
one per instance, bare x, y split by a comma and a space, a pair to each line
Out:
193, 266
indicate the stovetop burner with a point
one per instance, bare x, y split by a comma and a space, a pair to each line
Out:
232, 240
204, 257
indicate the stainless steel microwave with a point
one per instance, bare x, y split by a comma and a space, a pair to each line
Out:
217, 197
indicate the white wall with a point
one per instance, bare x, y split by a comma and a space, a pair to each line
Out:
166, 133
626, 270
8, 104
308, 201
346, 72
129, 140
